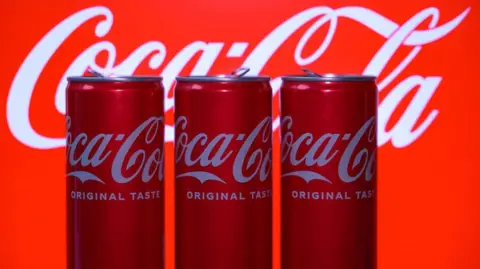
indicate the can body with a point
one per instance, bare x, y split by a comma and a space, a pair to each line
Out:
115, 199
328, 133
223, 184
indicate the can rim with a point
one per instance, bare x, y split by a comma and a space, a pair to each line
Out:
223, 78
330, 78
114, 79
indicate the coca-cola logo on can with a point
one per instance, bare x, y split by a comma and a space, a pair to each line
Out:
216, 150
85, 153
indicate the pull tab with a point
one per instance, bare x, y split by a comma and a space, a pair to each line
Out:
95, 73
240, 72
310, 73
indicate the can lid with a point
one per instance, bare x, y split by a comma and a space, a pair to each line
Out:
312, 77
222, 79
114, 79
237, 75
98, 77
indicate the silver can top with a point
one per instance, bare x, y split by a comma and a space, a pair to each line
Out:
237, 75
313, 77
115, 79
98, 77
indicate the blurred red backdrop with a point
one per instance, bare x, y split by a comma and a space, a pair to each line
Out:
424, 53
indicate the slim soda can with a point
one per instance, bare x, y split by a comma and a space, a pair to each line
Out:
115, 201
329, 163
223, 160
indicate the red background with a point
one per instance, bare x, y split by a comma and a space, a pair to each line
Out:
428, 189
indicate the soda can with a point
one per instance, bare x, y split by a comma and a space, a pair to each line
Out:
115, 201
329, 163
223, 160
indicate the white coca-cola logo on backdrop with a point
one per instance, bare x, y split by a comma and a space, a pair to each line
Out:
321, 151
248, 161
84, 153
396, 35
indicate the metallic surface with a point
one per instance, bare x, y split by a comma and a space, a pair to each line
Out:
115, 194
99, 78
329, 181
223, 175
312, 77
224, 78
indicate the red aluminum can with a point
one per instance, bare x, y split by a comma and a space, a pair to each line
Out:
115, 199
223, 160
328, 133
